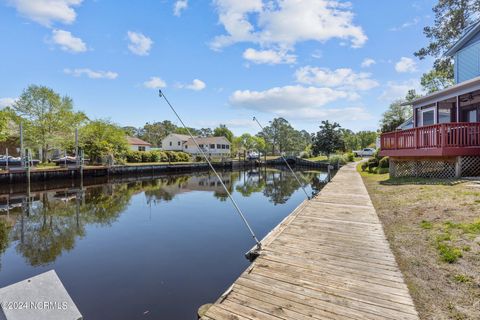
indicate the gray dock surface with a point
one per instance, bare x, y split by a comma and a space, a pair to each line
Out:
329, 259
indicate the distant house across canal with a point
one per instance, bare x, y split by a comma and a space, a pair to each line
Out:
212, 146
137, 144
174, 142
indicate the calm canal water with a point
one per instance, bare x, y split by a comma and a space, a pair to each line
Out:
147, 248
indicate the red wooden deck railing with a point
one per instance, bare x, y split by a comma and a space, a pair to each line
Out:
461, 138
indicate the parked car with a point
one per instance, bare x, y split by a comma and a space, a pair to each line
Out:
367, 152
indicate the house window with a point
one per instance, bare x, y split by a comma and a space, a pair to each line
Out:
446, 113
186, 147
228, 146
212, 146
178, 142
141, 148
472, 115
170, 143
426, 116
223, 146
218, 146
469, 115
201, 145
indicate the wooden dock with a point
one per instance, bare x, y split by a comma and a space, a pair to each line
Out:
329, 259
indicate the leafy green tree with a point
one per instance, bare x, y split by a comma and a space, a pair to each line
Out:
366, 138
131, 131
223, 131
193, 131
4, 118
398, 112
280, 136
100, 138
306, 138
328, 139
411, 95
49, 120
259, 143
248, 142
155, 132
436, 80
206, 132
297, 141
451, 18
350, 140
359, 140
395, 116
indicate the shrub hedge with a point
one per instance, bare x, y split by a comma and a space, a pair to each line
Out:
341, 158
337, 158
376, 164
384, 162
349, 156
156, 156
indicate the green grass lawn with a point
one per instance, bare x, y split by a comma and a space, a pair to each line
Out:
318, 158
46, 165
433, 227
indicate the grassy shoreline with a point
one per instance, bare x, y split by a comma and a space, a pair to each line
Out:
433, 227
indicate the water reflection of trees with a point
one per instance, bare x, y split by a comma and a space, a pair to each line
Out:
46, 224
49, 225
277, 185
3, 237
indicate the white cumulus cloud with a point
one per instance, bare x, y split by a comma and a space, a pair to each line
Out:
68, 42
91, 73
139, 44
288, 98
179, 6
406, 65
46, 12
196, 85
268, 56
368, 62
343, 78
398, 90
299, 102
154, 83
283, 23
6, 102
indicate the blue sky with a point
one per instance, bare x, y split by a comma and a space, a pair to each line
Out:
221, 61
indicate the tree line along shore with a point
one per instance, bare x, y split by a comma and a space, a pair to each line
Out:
50, 123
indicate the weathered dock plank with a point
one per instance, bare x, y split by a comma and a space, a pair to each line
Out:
329, 259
